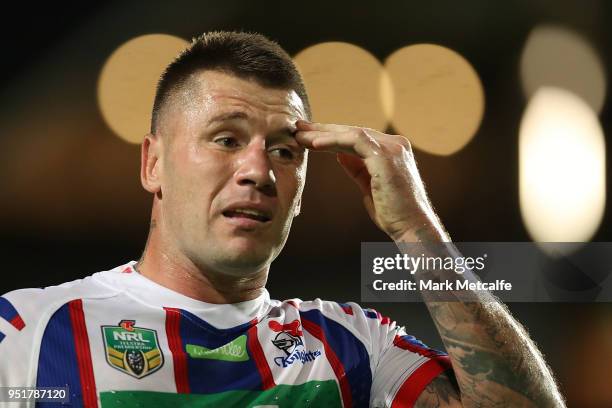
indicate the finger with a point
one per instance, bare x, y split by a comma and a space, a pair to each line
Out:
330, 127
381, 138
357, 170
355, 141
325, 127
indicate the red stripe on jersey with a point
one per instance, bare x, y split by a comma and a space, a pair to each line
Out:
265, 373
347, 309
83, 352
334, 361
17, 322
292, 303
179, 357
414, 385
127, 269
421, 350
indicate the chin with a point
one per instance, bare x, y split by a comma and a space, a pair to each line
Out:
241, 258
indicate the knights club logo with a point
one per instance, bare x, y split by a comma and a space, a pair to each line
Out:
289, 336
132, 350
289, 339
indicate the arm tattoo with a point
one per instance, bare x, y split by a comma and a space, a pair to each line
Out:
495, 362
443, 391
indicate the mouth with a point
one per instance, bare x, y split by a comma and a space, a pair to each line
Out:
248, 214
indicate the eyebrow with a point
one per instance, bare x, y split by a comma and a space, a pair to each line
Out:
227, 116
288, 131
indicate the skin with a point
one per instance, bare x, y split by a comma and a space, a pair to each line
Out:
234, 144
196, 169
495, 363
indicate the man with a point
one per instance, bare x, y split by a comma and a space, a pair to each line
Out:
192, 324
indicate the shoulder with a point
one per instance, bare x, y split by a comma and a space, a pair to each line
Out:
28, 307
334, 317
347, 311
335, 309
38, 300
25, 315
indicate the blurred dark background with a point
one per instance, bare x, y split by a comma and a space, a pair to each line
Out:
72, 203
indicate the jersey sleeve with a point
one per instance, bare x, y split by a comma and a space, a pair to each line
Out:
24, 314
17, 329
402, 366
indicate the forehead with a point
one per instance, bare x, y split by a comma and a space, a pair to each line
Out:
217, 92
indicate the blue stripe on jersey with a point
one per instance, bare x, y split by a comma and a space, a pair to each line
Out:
418, 343
370, 313
346, 307
7, 311
351, 352
57, 362
2, 336
208, 375
411, 343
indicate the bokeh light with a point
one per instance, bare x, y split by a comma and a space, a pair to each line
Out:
344, 84
562, 174
127, 83
555, 56
438, 100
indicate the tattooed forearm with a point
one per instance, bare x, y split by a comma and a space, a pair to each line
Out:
443, 391
494, 360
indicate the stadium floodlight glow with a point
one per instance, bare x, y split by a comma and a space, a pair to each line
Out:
344, 84
562, 167
556, 56
127, 83
438, 99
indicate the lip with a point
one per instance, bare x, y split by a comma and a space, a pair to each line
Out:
245, 222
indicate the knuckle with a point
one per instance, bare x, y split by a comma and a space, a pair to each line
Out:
366, 136
396, 148
361, 134
402, 140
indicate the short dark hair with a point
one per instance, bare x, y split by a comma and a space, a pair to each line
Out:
246, 55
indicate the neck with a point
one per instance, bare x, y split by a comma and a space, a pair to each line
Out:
178, 273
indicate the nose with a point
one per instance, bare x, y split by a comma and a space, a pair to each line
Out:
255, 169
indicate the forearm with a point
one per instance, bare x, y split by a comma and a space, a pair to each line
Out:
495, 361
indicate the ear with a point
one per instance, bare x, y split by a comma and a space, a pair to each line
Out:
150, 163
298, 208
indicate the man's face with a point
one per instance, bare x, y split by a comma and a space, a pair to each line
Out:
232, 173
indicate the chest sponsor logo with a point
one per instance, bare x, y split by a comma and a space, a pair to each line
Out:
132, 350
234, 351
289, 340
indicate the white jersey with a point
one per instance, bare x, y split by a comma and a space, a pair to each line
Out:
117, 339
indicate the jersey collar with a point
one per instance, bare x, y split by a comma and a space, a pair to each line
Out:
223, 316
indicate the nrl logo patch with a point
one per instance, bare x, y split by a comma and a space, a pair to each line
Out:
132, 350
